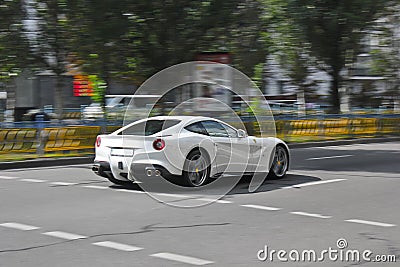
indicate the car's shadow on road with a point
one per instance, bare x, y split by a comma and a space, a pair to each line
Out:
242, 187
290, 180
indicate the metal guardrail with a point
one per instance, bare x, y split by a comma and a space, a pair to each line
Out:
46, 137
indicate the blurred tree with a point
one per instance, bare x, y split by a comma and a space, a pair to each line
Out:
386, 55
13, 44
258, 74
287, 44
135, 39
14, 47
334, 30
165, 33
50, 43
246, 39
101, 44
89, 36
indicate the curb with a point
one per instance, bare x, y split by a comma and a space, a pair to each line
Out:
39, 163
344, 142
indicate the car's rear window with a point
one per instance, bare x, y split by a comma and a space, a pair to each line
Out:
149, 127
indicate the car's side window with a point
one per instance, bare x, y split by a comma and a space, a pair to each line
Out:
231, 132
196, 127
149, 127
215, 129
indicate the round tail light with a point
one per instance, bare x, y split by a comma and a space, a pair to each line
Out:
158, 144
98, 141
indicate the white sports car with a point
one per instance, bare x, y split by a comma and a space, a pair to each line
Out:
192, 149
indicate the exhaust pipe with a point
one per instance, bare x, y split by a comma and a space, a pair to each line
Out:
149, 172
152, 172
96, 168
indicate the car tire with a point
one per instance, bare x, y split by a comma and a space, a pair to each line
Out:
280, 163
196, 169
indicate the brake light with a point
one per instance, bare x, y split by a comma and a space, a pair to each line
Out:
158, 144
98, 141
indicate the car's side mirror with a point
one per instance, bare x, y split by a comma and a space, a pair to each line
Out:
241, 133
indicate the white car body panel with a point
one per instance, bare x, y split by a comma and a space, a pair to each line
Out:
245, 154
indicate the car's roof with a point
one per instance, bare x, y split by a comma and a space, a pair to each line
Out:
181, 118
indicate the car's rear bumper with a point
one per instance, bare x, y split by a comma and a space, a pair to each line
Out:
151, 176
144, 170
139, 171
102, 168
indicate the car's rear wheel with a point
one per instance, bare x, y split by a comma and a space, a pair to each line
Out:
280, 163
196, 169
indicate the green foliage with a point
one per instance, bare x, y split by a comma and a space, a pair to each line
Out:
334, 30
99, 88
13, 45
386, 55
131, 40
165, 33
258, 74
286, 42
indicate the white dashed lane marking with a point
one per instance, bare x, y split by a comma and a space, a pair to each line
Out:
19, 226
110, 244
331, 157
260, 207
220, 201
130, 191
8, 177
314, 183
181, 258
301, 213
96, 187
370, 223
65, 235
63, 183
33, 180
117, 246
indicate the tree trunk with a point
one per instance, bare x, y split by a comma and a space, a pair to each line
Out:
105, 70
335, 98
59, 97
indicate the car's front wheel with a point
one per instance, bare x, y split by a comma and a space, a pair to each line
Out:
196, 170
280, 163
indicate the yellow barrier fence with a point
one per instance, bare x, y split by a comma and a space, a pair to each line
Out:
17, 140
82, 138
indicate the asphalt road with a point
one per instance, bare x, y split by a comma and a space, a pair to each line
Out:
67, 216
